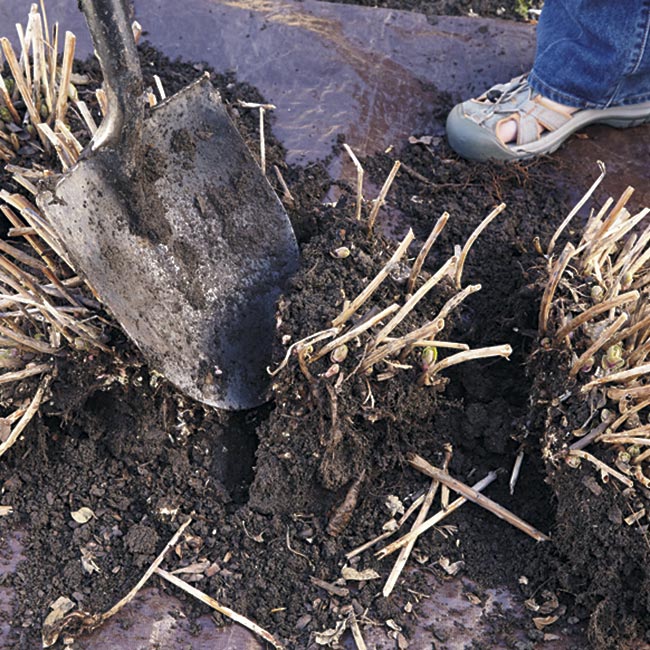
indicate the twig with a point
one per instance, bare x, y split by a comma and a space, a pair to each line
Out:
576, 209
226, 611
436, 519
516, 468
31, 411
66, 70
381, 199
359, 168
549, 291
595, 310
29, 371
472, 238
87, 621
354, 332
356, 632
312, 338
404, 553
598, 344
410, 304
624, 375
578, 453
424, 251
287, 196
347, 313
468, 355
472, 495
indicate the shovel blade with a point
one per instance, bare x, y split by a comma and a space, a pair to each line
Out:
189, 251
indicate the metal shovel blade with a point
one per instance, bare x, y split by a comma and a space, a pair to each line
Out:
189, 248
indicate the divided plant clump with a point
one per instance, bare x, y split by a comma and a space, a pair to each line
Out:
592, 400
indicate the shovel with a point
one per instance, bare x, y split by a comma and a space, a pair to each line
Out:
170, 220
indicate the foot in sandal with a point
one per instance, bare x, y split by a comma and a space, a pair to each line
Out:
513, 122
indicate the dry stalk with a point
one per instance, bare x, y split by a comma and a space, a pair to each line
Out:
381, 199
354, 332
576, 209
352, 308
424, 251
410, 304
603, 467
603, 339
405, 552
469, 355
596, 310
359, 168
472, 238
85, 621
476, 497
622, 376
436, 519
556, 274
27, 416
222, 609
429, 330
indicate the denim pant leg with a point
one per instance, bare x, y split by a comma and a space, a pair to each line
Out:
593, 53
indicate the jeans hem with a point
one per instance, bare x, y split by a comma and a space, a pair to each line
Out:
554, 94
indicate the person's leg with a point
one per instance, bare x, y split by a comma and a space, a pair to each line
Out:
592, 55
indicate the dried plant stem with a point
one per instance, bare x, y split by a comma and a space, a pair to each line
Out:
287, 196
381, 199
619, 438
516, 468
6, 98
555, 275
351, 309
603, 467
472, 238
476, 497
356, 632
405, 552
29, 371
410, 304
402, 520
311, 339
622, 376
66, 71
456, 300
598, 344
428, 330
576, 209
359, 168
596, 310
424, 251
226, 611
26, 418
469, 355
599, 235
436, 519
354, 332
20, 80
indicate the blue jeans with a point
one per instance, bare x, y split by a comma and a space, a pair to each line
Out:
593, 53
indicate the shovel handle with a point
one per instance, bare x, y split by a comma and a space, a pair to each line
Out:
115, 48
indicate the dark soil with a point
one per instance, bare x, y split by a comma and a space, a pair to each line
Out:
512, 9
265, 488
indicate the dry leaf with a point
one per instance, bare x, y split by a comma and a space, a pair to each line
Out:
394, 505
450, 568
331, 637
60, 607
349, 573
542, 621
6, 510
83, 515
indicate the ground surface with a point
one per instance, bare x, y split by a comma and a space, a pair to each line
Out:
262, 487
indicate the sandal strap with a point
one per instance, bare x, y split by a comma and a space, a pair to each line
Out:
515, 100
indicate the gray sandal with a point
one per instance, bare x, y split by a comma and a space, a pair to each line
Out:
472, 125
